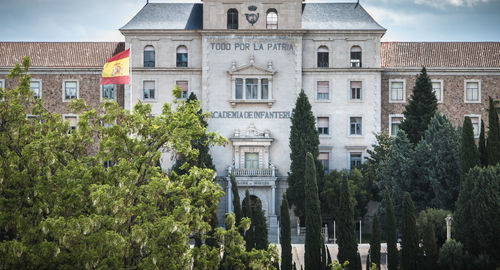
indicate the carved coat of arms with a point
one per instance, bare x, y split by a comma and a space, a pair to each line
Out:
252, 18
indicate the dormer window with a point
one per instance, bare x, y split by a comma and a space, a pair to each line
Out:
232, 18
356, 57
272, 19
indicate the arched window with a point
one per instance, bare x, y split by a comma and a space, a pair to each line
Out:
232, 18
323, 57
272, 19
356, 56
182, 56
149, 56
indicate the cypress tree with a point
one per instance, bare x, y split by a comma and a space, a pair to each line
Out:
430, 247
236, 200
249, 234
483, 155
285, 236
304, 138
312, 256
444, 156
409, 235
390, 232
477, 213
260, 233
375, 243
493, 140
469, 155
348, 247
323, 256
420, 108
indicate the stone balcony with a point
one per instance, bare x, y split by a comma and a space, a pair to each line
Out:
264, 172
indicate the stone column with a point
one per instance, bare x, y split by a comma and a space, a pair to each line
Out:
448, 226
273, 200
229, 200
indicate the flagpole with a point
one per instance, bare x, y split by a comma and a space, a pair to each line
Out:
130, 75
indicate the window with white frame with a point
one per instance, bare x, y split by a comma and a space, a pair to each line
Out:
323, 55
394, 124
108, 91
355, 125
324, 159
181, 56
437, 88
323, 90
476, 123
272, 19
251, 160
397, 91
264, 89
472, 91
355, 160
323, 125
70, 90
149, 56
356, 56
149, 90
252, 88
36, 88
183, 85
356, 88
72, 121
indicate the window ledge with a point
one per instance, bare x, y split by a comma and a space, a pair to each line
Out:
269, 102
323, 100
478, 101
356, 100
355, 136
149, 100
397, 101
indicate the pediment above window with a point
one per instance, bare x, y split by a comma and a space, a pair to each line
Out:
251, 69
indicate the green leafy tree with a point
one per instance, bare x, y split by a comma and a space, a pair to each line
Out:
396, 172
312, 256
410, 248
234, 253
483, 154
346, 235
420, 108
444, 175
390, 233
493, 140
248, 213
477, 214
469, 155
379, 153
436, 218
202, 159
285, 236
60, 207
259, 220
430, 247
238, 213
375, 243
451, 256
304, 138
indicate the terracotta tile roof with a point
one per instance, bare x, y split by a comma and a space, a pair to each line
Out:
441, 54
59, 54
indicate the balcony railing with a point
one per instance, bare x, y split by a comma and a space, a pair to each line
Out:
270, 172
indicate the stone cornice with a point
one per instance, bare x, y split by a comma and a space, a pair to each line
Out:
163, 69
441, 71
246, 32
350, 70
58, 70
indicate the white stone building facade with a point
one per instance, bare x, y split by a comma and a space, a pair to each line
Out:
247, 61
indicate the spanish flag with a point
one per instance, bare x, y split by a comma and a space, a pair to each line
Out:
116, 69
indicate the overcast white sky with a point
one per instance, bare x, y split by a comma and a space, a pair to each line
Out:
98, 20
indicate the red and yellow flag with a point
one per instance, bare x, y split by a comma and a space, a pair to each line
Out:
116, 69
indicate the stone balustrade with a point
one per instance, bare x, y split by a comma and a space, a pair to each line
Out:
253, 172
